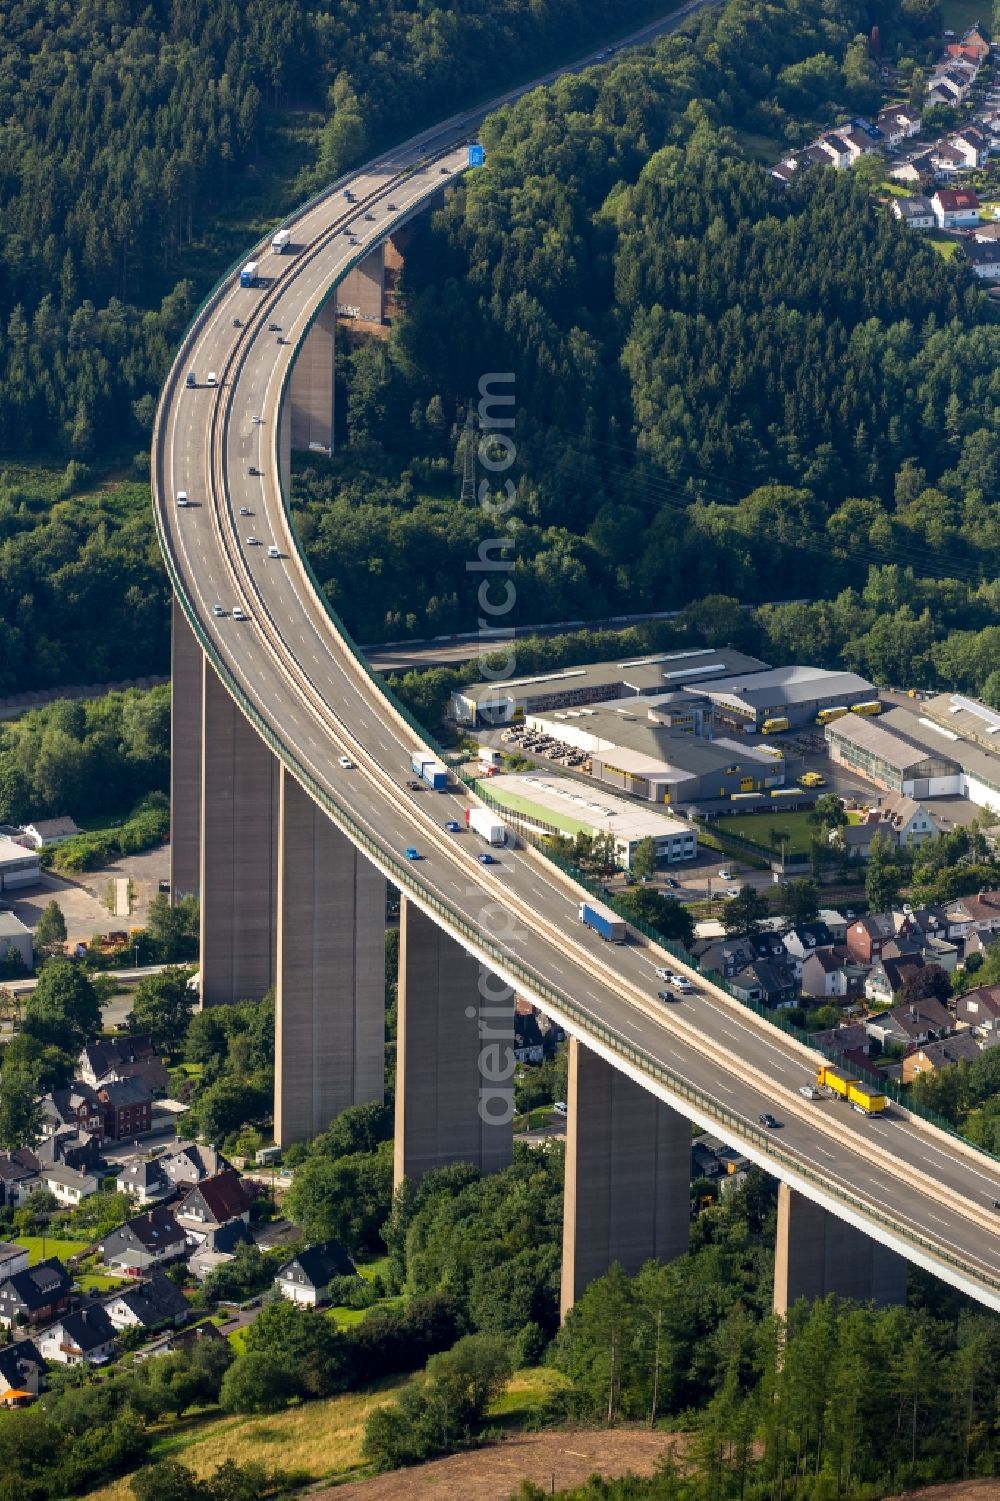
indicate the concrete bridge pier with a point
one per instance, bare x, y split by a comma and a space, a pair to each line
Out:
187, 668
454, 1055
330, 991
311, 389
817, 1254
628, 1175
239, 852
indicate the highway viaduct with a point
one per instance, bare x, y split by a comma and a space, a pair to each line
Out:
291, 810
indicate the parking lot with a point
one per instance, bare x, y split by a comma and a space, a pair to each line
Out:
544, 747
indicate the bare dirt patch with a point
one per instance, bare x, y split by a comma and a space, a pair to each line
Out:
956, 1490
564, 1457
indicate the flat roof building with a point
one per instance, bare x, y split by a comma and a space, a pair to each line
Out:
560, 805
893, 760
631, 750
14, 935
797, 694
19, 866
494, 703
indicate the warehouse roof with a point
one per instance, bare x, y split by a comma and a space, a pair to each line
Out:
884, 740
12, 853
943, 743
570, 805
660, 672
789, 685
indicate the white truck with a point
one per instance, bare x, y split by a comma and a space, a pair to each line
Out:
486, 824
281, 241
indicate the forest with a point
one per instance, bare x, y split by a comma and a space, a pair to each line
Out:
138, 150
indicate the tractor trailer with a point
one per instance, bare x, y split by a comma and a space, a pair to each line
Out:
860, 1096
605, 923
429, 770
486, 824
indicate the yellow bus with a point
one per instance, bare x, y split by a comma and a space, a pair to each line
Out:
773, 726
871, 706
827, 716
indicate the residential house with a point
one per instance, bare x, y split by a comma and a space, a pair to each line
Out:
87, 1334
867, 935
856, 839
19, 1177
39, 1293
915, 212
987, 234
897, 124
859, 143
72, 1148
45, 832
785, 170
211, 1204
984, 259
916, 170
76, 1107
770, 982
955, 208
947, 161
972, 146
148, 1240
802, 941
124, 1058
189, 1163
178, 1339
942, 91
912, 1023
836, 148
889, 974
216, 1245
69, 1186
148, 1305
834, 922
831, 974
911, 821
850, 1038
973, 46
979, 1010
22, 1372
128, 1109
962, 1048
13, 1258
144, 1180
306, 1277
980, 913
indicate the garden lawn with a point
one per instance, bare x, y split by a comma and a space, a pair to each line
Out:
53, 1247
794, 824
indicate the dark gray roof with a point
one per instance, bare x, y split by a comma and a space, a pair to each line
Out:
320, 1263
40, 1284
88, 1328
157, 1301
13, 1359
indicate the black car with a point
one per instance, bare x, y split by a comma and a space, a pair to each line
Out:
673, 882
768, 1120
273, 328
665, 995
253, 470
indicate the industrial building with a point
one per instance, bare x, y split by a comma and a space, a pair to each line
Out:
18, 866
498, 702
797, 694
891, 756
952, 732
559, 805
632, 750
14, 935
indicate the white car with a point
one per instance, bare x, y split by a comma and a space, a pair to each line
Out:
273, 552
732, 891
680, 982
346, 763
725, 874
239, 613
218, 611
182, 498
253, 542
560, 1107
810, 1091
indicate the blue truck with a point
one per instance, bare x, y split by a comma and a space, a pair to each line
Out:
248, 276
605, 923
430, 771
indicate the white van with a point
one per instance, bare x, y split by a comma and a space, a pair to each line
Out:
211, 379
182, 498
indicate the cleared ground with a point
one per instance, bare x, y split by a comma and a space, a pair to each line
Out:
556, 1460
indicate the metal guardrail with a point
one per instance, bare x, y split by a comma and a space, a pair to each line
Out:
402, 874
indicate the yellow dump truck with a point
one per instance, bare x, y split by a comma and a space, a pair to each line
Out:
869, 1101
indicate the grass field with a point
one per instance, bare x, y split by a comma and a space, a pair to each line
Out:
794, 825
319, 1440
944, 244
38, 1250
